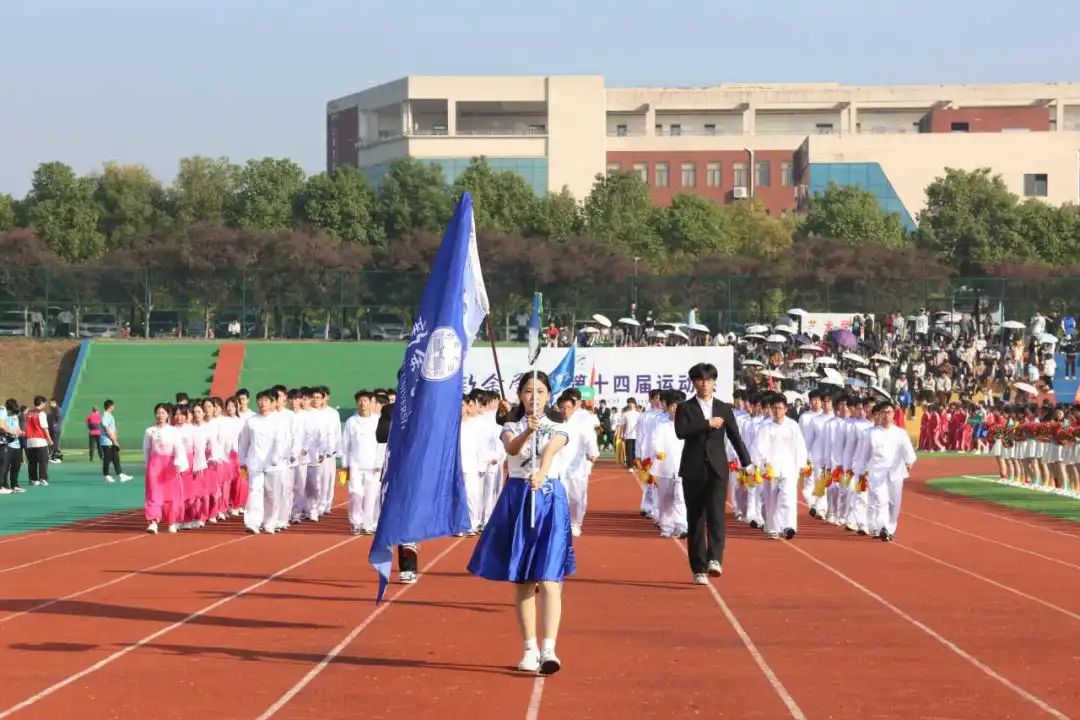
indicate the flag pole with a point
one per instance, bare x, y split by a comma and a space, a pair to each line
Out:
495, 355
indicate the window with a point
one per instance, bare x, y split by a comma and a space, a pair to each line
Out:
659, 129
762, 173
675, 130
959, 127
739, 176
1035, 185
710, 128
689, 174
620, 130
787, 174
537, 130
614, 167
661, 170
824, 128
642, 171
713, 174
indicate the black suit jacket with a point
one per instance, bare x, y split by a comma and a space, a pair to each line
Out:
703, 446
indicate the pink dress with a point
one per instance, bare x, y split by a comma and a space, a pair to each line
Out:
189, 484
163, 451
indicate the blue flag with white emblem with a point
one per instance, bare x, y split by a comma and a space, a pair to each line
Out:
424, 489
562, 377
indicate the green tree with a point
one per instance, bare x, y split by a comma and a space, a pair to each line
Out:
202, 191
972, 220
266, 191
851, 213
757, 234
132, 203
618, 210
557, 216
413, 197
694, 225
61, 207
7, 212
342, 204
502, 201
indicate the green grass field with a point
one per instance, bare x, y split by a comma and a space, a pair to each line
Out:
1035, 501
76, 491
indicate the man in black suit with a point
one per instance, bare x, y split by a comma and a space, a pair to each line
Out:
702, 423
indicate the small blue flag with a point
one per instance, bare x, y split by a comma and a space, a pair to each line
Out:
562, 377
424, 489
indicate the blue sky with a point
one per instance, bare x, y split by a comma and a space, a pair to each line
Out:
149, 82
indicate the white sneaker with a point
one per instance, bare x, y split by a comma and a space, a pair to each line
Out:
110, 479
575, 530
549, 662
214, 519
174, 528
234, 512
18, 489
124, 477
407, 577
714, 568
43, 482
701, 579
357, 530
530, 662
5, 491
152, 527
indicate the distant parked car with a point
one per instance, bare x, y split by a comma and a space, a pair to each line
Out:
93, 325
164, 323
383, 326
13, 322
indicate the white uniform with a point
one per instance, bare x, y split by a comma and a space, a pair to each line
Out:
575, 475
493, 457
886, 455
780, 446
809, 428
331, 449
670, 498
642, 452
257, 451
855, 428
820, 452
837, 432
361, 453
748, 499
472, 468
857, 505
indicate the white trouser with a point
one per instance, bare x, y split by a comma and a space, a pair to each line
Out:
474, 497
327, 470
884, 505
256, 502
738, 495
672, 511
577, 493
264, 503
492, 488
299, 495
364, 491
808, 488
779, 498
313, 491
285, 498
857, 508
832, 498
753, 511
648, 499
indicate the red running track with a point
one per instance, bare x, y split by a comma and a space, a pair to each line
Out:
973, 613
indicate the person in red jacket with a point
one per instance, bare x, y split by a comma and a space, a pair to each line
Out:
38, 442
93, 427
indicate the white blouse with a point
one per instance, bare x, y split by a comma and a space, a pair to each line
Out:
524, 464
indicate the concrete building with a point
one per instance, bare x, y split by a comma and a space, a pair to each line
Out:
780, 143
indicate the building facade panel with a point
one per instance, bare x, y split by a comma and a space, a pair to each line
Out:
989, 119
342, 138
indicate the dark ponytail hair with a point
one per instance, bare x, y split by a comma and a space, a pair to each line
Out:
164, 406
518, 411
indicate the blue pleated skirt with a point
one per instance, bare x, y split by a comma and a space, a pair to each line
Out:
513, 548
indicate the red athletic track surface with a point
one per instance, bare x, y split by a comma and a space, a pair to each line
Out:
973, 613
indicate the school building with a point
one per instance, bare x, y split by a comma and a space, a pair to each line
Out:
780, 143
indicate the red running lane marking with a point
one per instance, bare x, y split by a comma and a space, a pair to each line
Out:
69, 553
77, 525
163, 631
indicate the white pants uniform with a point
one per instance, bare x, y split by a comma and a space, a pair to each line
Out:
832, 499
365, 490
327, 470
255, 508
299, 495
264, 499
285, 499
474, 498
492, 488
781, 505
857, 508
808, 489
884, 506
577, 492
313, 491
672, 504
648, 500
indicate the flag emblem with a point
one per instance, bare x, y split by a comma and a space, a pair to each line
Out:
442, 359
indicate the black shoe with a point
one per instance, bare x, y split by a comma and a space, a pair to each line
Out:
883, 535
644, 514
862, 532
813, 512
754, 524
682, 536
789, 534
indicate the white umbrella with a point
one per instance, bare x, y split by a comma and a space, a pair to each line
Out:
881, 358
1024, 387
657, 333
865, 371
826, 361
797, 312
754, 336
834, 374
698, 327
790, 330
678, 334
1048, 339
672, 325
774, 374
601, 320
802, 361
831, 381
776, 339
855, 358
753, 329
590, 330
946, 316
1013, 325
753, 363
792, 396
811, 348
629, 321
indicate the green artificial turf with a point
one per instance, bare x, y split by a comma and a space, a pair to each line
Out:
1035, 501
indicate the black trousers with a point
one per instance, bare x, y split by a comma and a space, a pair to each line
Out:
1070, 365
705, 503
408, 561
10, 462
37, 463
110, 454
631, 446
95, 446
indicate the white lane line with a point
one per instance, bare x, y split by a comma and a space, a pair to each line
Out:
981, 511
336, 650
991, 540
69, 553
986, 669
114, 581
534, 700
75, 677
995, 583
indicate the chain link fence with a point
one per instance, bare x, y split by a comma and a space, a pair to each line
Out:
311, 303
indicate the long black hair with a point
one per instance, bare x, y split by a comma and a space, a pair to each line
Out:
517, 412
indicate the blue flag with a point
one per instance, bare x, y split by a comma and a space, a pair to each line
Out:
534, 327
424, 494
562, 377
